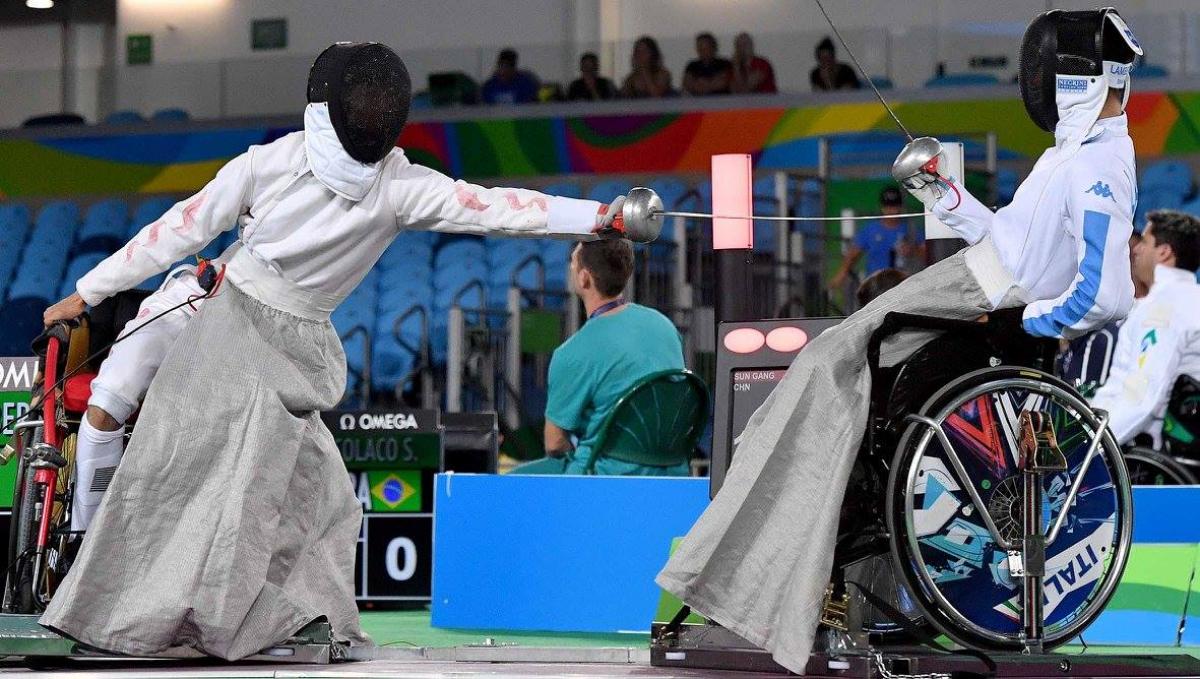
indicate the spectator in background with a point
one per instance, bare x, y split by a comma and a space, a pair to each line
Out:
878, 283
590, 85
885, 242
709, 73
620, 344
751, 73
648, 79
508, 85
830, 74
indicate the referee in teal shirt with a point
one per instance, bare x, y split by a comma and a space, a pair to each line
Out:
620, 344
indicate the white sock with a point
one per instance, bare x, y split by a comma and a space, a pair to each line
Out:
97, 454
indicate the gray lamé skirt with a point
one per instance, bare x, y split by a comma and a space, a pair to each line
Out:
758, 560
229, 524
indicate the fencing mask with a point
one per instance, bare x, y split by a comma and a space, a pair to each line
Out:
367, 89
1069, 60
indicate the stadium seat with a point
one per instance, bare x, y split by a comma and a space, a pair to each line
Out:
148, 211
79, 266
170, 115
564, 189
882, 82
669, 189
104, 228
607, 190
1170, 175
1156, 199
962, 80
14, 229
22, 322
1144, 70
124, 118
1006, 186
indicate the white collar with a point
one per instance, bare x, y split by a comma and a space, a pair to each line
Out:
329, 162
1169, 275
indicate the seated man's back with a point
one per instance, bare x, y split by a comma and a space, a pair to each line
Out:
618, 347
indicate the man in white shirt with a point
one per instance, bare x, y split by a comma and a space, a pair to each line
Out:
1160, 341
228, 527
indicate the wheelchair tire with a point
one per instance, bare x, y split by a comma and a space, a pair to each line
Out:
1148, 467
950, 561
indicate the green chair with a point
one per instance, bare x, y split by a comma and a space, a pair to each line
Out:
656, 423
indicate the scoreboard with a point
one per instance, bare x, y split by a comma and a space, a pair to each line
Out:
752, 358
392, 456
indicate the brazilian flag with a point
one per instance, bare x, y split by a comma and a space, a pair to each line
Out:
395, 491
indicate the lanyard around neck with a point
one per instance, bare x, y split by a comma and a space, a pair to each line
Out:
605, 308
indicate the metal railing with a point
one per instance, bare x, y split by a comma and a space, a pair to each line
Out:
422, 370
364, 375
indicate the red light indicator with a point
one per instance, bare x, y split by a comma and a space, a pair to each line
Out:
787, 339
744, 340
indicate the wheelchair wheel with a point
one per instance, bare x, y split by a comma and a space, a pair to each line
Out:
1148, 467
954, 566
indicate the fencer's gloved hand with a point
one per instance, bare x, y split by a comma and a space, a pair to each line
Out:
608, 219
921, 169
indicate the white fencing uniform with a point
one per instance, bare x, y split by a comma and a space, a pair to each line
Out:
229, 524
1158, 342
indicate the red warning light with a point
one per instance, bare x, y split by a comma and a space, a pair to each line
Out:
744, 340
787, 339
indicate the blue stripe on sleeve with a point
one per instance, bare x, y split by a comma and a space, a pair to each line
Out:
1070, 312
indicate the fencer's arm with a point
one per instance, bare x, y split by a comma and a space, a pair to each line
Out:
959, 210
182, 231
1132, 397
426, 199
1103, 288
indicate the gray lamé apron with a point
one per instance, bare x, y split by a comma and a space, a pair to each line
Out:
229, 524
758, 560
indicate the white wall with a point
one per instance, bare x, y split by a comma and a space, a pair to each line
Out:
31, 72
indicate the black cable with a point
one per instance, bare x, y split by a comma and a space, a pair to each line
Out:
71, 373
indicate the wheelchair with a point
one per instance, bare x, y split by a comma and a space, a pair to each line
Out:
988, 502
41, 545
1178, 462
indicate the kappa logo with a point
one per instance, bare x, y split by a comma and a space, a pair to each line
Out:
1101, 189
1072, 85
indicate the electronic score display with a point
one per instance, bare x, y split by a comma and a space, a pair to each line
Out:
751, 386
752, 358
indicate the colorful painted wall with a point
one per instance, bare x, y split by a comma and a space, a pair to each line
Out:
1161, 123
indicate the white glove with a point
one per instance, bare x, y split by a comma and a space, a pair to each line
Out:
921, 169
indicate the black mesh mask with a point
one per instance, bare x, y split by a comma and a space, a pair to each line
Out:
368, 91
1065, 43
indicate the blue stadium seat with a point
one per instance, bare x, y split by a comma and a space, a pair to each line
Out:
607, 190
22, 322
1006, 186
1170, 175
669, 189
882, 82
564, 189
56, 223
148, 211
962, 80
76, 269
14, 229
1155, 199
170, 115
104, 228
124, 118
1145, 70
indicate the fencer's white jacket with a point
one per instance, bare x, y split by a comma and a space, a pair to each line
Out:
1064, 239
1158, 342
315, 234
